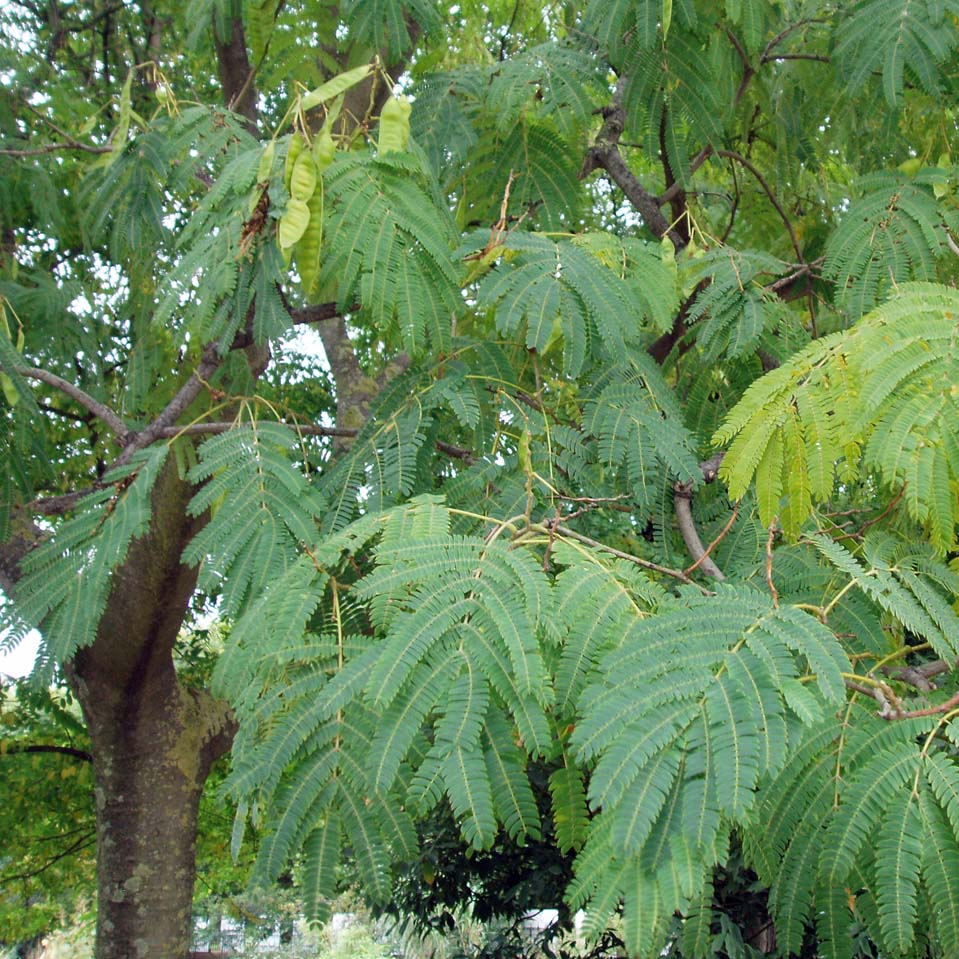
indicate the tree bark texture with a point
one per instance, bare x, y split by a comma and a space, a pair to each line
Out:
153, 742
151, 759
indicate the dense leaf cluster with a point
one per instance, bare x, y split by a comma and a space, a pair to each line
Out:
472, 582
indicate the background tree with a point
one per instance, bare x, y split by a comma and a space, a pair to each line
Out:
615, 251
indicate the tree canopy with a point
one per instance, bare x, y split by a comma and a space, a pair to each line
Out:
621, 514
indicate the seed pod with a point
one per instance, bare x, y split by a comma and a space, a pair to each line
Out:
394, 125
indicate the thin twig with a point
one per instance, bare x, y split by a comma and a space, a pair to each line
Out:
71, 142
645, 563
767, 189
86, 840
305, 429
748, 69
58, 505
766, 56
820, 58
769, 564
950, 703
889, 508
199, 379
805, 268
212, 429
54, 148
456, 452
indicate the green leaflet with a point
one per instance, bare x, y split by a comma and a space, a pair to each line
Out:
570, 815
470, 794
513, 799
321, 855
898, 854
887, 385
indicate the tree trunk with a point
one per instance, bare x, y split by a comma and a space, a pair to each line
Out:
152, 753
153, 741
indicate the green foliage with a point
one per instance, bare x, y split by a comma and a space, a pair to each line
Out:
390, 249
733, 306
383, 24
884, 386
48, 831
555, 291
67, 579
897, 40
459, 562
533, 159
261, 509
892, 233
675, 95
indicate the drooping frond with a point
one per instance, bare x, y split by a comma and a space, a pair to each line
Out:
552, 291
856, 807
513, 799
445, 106
940, 862
898, 39
570, 814
382, 463
593, 609
383, 24
321, 856
912, 602
221, 269
685, 717
674, 90
733, 309
554, 81
389, 246
898, 855
613, 22
638, 429
541, 170
466, 666
891, 234
649, 271
262, 509
66, 580
886, 385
